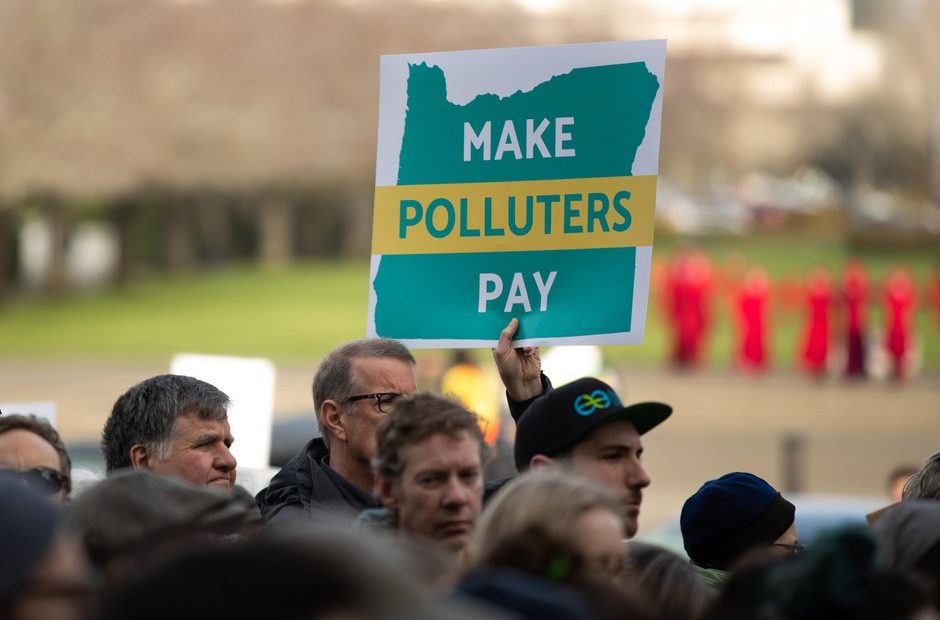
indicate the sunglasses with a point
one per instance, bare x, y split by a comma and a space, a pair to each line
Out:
41, 480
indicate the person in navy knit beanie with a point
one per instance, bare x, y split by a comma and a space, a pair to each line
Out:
735, 514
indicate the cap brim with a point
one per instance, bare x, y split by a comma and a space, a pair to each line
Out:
644, 417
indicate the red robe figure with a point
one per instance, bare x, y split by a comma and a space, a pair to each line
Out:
814, 352
753, 303
688, 290
933, 293
899, 309
855, 298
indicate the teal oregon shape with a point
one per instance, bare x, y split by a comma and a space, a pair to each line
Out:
585, 123
439, 296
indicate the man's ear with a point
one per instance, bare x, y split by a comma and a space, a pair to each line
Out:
384, 490
540, 460
331, 415
140, 457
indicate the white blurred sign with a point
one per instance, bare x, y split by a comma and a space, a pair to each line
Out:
249, 383
40, 408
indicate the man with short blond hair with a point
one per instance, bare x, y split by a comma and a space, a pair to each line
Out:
429, 472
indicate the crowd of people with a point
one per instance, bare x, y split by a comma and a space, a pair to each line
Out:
837, 336
387, 514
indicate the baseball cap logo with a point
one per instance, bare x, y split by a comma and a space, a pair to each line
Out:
586, 404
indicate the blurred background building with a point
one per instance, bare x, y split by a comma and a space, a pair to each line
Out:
163, 135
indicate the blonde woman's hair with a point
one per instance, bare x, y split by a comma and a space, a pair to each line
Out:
548, 497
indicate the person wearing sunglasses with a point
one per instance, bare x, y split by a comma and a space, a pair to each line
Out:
733, 516
33, 453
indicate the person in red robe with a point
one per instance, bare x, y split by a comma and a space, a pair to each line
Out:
814, 352
933, 293
855, 300
753, 304
688, 291
899, 297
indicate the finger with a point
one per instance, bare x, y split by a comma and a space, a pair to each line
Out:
505, 336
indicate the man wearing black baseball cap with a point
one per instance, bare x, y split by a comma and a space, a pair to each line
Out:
582, 424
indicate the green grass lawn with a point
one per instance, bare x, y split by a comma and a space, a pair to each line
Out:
304, 310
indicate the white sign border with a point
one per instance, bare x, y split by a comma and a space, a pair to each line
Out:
503, 72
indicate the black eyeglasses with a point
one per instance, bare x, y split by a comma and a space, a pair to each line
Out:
793, 549
42, 480
384, 401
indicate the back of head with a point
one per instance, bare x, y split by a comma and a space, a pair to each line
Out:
925, 482
670, 587
539, 574
334, 379
548, 498
134, 515
840, 577
147, 412
731, 515
908, 537
307, 575
415, 419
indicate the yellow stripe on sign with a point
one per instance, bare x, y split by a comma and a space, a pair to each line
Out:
516, 216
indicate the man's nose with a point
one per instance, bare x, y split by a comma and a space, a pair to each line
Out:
455, 493
636, 476
224, 460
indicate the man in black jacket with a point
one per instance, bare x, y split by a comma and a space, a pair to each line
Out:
331, 479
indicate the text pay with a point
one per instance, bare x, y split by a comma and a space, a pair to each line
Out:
491, 288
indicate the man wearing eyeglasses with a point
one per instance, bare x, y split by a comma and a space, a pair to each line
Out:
331, 479
32, 449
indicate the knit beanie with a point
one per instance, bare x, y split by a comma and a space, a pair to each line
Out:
28, 523
731, 515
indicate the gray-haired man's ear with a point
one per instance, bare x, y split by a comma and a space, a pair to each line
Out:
140, 457
331, 417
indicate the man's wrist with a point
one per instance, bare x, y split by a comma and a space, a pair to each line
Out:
528, 390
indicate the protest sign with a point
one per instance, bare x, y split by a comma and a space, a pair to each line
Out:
516, 183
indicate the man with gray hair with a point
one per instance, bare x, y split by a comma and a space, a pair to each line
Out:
175, 426
331, 479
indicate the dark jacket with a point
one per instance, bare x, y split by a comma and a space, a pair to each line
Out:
516, 409
308, 489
